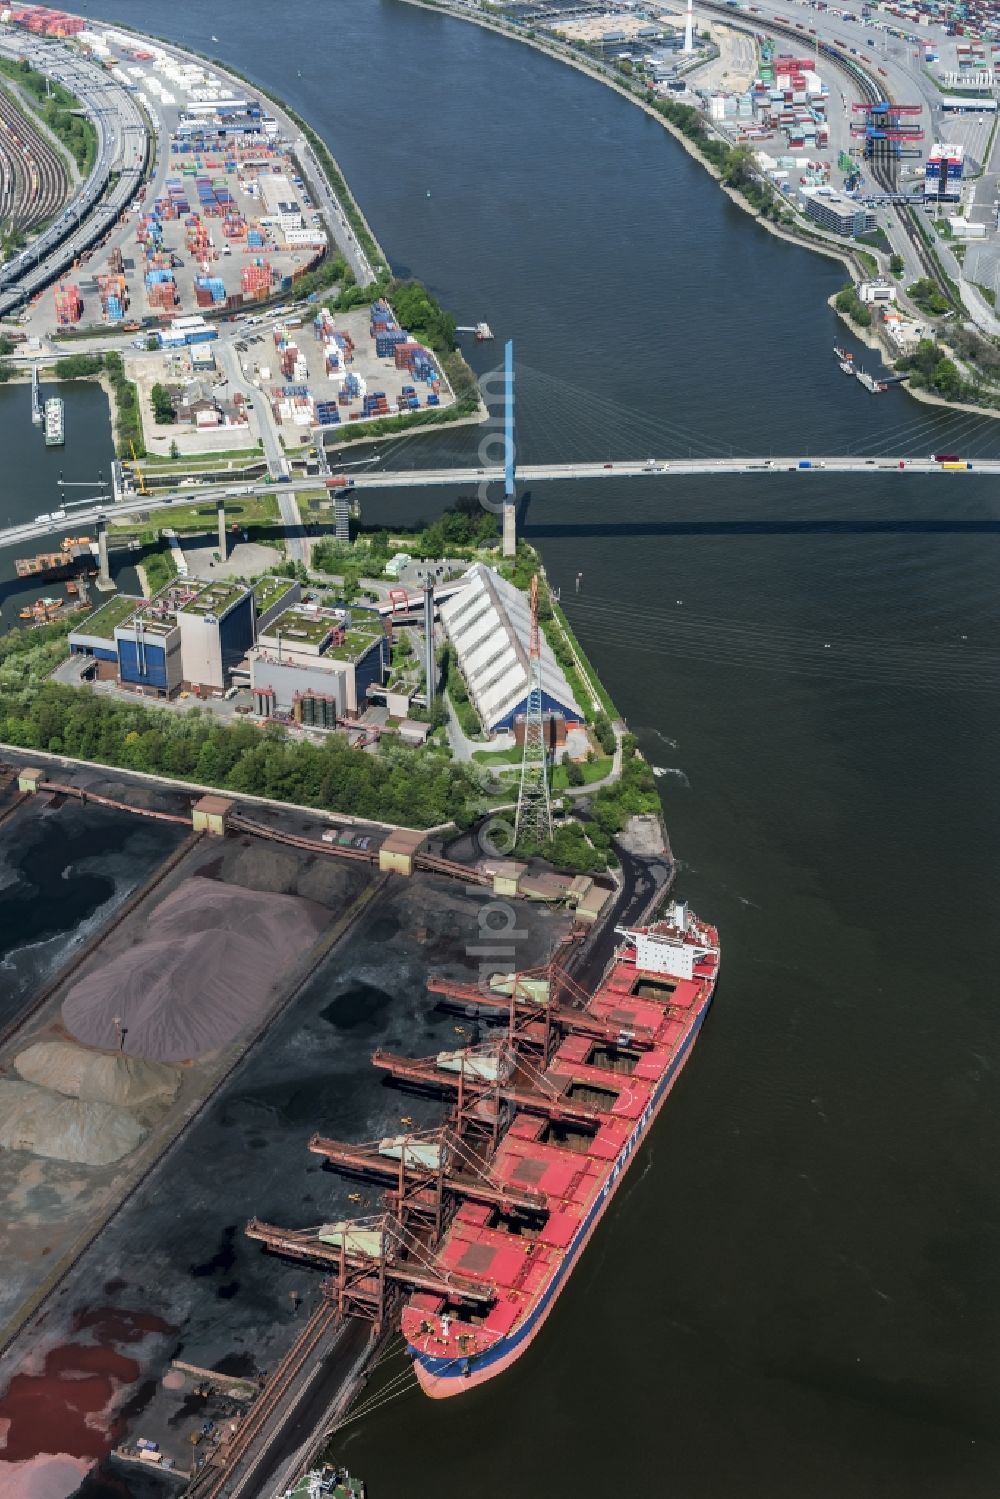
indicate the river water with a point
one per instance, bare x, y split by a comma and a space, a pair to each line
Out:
795, 1291
32, 487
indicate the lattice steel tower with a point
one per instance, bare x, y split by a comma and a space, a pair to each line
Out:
533, 819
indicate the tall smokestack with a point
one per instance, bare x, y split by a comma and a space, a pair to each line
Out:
430, 666
689, 29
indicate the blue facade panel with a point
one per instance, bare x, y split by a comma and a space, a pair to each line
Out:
236, 634
371, 668
147, 668
549, 705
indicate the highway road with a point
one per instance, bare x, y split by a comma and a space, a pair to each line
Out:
470, 478
121, 147
330, 207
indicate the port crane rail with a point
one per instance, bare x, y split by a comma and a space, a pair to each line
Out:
211, 1480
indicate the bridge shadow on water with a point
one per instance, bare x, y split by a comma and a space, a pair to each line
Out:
538, 528
944, 526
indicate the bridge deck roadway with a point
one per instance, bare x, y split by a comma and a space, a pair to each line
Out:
81, 517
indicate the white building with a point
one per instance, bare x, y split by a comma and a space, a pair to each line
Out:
877, 292
489, 626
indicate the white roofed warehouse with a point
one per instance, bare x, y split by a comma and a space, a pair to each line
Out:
489, 626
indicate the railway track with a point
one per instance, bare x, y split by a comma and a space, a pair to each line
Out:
34, 182
211, 1480
871, 93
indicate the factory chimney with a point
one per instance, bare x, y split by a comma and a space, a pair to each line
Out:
430, 666
689, 29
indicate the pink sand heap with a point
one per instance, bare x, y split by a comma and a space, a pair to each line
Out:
202, 975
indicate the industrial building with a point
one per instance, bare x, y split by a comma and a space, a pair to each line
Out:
183, 331
488, 624
149, 652
943, 173
216, 625
315, 665
877, 293
970, 104
838, 213
190, 635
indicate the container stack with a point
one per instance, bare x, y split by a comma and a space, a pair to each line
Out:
177, 196
376, 403
255, 278
113, 291
422, 368
44, 22
197, 238
161, 290
351, 389
293, 404
293, 366
385, 343
209, 291
405, 353
149, 230
69, 304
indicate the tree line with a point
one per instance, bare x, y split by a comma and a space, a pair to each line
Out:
396, 785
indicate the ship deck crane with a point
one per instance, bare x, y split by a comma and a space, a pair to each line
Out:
372, 1262
552, 1014
456, 1169
427, 1072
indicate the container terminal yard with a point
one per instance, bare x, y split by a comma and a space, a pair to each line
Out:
141, 1307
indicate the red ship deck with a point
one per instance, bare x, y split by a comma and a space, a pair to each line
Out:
574, 1166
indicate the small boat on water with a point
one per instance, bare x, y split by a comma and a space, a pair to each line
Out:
844, 355
876, 387
847, 367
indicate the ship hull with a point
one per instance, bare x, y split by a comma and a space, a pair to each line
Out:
441, 1378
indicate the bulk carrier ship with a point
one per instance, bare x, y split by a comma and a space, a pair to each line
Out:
603, 1099
488, 1214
